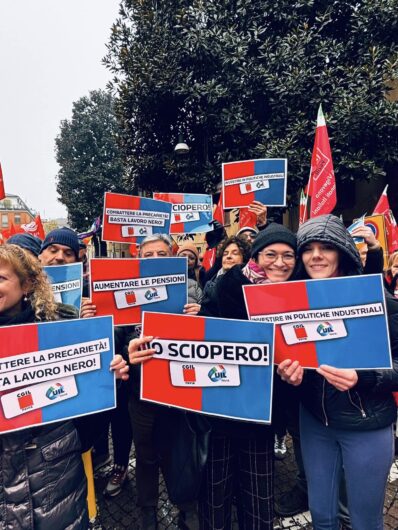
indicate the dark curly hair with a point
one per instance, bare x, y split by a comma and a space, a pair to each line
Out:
243, 246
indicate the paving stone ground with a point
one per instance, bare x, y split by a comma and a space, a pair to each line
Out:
121, 512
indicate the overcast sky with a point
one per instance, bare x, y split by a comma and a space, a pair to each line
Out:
50, 56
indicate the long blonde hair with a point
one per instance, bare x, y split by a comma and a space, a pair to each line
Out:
33, 278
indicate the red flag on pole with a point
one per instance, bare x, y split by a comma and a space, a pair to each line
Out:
383, 204
218, 214
322, 182
303, 212
2, 192
383, 208
12, 230
209, 258
40, 228
34, 228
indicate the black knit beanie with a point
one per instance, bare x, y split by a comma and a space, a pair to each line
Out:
62, 236
274, 233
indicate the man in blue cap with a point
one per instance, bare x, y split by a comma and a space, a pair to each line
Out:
60, 247
26, 241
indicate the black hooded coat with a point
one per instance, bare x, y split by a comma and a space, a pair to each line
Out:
369, 404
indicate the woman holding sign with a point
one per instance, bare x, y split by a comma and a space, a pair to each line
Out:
346, 415
42, 482
42, 477
241, 453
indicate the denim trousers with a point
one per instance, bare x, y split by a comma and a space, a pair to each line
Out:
366, 458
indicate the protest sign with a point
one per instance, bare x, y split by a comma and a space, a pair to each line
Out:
261, 180
129, 219
67, 283
378, 226
124, 287
53, 371
359, 223
210, 365
337, 321
191, 213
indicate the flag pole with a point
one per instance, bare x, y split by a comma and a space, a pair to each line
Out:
309, 179
306, 198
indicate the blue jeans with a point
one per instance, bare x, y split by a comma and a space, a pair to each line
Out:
366, 457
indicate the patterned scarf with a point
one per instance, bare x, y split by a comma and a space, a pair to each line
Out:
254, 273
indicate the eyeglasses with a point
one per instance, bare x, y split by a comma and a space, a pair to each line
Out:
289, 257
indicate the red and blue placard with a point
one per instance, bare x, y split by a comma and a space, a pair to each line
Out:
261, 180
210, 365
341, 322
129, 219
54, 371
125, 287
191, 212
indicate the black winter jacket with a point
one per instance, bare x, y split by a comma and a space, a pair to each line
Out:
42, 481
227, 301
369, 404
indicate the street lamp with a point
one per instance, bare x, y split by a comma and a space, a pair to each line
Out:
181, 148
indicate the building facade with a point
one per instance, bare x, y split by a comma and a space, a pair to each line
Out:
13, 211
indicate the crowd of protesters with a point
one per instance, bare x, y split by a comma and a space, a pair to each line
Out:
341, 420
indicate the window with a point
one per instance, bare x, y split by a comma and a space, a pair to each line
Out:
17, 219
4, 220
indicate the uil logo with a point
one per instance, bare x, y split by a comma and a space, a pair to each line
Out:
55, 391
217, 373
151, 294
325, 328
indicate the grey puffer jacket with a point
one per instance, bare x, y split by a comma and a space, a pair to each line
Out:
42, 481
369, 404
194, 292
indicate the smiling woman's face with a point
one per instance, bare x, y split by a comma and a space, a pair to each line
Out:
277, 261
321, 260
231, 256
11, 292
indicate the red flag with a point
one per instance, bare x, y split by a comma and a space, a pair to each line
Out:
247, 218
303, 212
209, 258
2, 192
218, 214
383, 204
13, 230
34, 228
322, 182
383, 208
